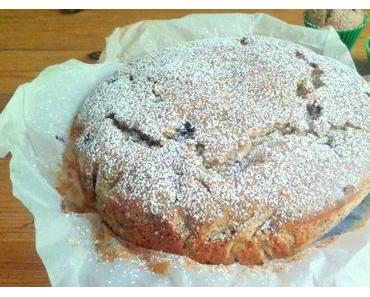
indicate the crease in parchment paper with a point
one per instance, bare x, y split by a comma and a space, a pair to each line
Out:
144, 37
44, 108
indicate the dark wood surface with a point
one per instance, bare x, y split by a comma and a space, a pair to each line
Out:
31, 40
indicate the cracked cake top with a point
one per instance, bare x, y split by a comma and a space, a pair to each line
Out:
256, 128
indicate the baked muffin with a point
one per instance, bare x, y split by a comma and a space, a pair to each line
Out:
349, 23
225, 150
339, 19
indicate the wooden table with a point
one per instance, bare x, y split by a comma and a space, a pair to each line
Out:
32, 40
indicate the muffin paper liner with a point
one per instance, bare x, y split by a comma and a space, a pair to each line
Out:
348, 37
44, 108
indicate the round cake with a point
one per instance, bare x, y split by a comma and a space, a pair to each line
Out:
225, 150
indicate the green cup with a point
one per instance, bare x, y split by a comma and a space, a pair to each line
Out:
367, 47
348, 37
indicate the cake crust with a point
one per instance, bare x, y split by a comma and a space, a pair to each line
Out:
225, 150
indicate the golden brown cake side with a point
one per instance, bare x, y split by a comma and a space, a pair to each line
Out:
249, 248
253, 248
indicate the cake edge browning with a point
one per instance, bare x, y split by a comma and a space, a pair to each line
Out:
256, 250
131, 223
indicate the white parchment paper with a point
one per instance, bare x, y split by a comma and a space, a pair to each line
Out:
43, 109
144, 37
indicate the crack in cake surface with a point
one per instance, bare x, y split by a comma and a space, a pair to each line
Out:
135, 133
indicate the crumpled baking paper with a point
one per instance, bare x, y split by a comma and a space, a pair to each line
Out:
39, 115
144, 37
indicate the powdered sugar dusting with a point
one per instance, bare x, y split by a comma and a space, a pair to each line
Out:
258, 128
